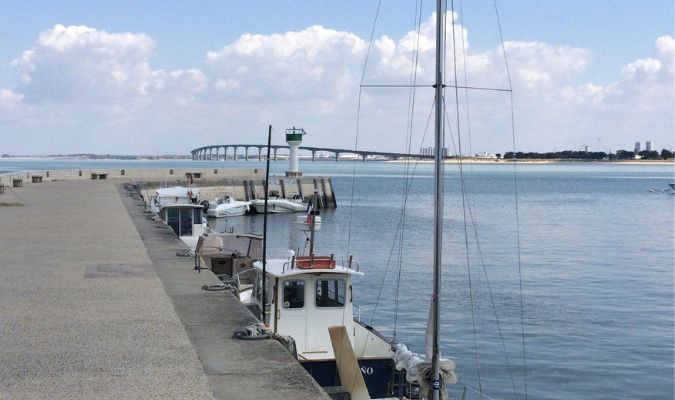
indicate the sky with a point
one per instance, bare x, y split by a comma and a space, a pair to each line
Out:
165, 77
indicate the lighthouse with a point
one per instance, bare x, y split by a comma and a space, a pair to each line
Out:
294, 138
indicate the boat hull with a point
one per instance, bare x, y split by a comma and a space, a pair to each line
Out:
380, 375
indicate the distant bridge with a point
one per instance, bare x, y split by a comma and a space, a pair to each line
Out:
213, 152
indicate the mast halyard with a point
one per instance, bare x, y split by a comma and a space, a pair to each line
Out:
438, 204
264, 253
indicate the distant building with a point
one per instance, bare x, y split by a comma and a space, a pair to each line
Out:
638, 147
648, 146
430, 151
485, 155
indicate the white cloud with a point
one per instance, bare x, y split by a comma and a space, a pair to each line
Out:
77, 62
103, 85
10, 100
315, 63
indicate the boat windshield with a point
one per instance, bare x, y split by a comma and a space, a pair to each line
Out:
330, 293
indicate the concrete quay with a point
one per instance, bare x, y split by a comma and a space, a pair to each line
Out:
95, 304
241, 183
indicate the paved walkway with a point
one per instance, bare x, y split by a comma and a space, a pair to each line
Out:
84, 313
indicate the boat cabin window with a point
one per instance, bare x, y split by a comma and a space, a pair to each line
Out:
330, 293
180, 220
186, 222
294, 294
198, 216
172, 219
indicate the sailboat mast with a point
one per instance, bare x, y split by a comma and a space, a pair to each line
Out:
438, 201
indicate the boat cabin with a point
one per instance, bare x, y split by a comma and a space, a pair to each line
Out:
173, 195
186, 220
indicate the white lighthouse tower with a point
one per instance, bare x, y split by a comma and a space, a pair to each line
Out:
294, 138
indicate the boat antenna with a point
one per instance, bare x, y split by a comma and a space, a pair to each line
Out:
264, 255
312, 220
438, 204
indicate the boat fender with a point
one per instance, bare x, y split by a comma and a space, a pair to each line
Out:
205, 205
252, 332
289, 343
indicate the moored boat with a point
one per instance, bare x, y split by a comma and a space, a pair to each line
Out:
278, 206
307, 295
227, 206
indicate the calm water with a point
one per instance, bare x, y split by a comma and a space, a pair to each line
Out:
596, 250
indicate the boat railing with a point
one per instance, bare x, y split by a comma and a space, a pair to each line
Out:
351, 263
358, 312
317, 262
236, 279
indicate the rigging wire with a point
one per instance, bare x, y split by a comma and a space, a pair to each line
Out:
494, 306
405, 196
471, 200
463, 194
409, 131
465, 199
356, 142
358, 122
391, 251
515, 190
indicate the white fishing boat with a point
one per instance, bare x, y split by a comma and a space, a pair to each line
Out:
307, 295
278, 205
227, 206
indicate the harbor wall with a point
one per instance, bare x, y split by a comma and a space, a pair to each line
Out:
240, 183
169, 175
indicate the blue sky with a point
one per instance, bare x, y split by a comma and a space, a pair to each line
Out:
609, 34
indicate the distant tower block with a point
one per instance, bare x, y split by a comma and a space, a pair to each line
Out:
638, 147
648, 146
294, 138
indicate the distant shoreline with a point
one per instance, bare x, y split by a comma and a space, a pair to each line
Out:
543, 161
399, 161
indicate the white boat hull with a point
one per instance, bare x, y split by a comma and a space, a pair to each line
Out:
278, 206
228, 210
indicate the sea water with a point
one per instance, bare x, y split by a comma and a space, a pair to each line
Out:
572, 284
